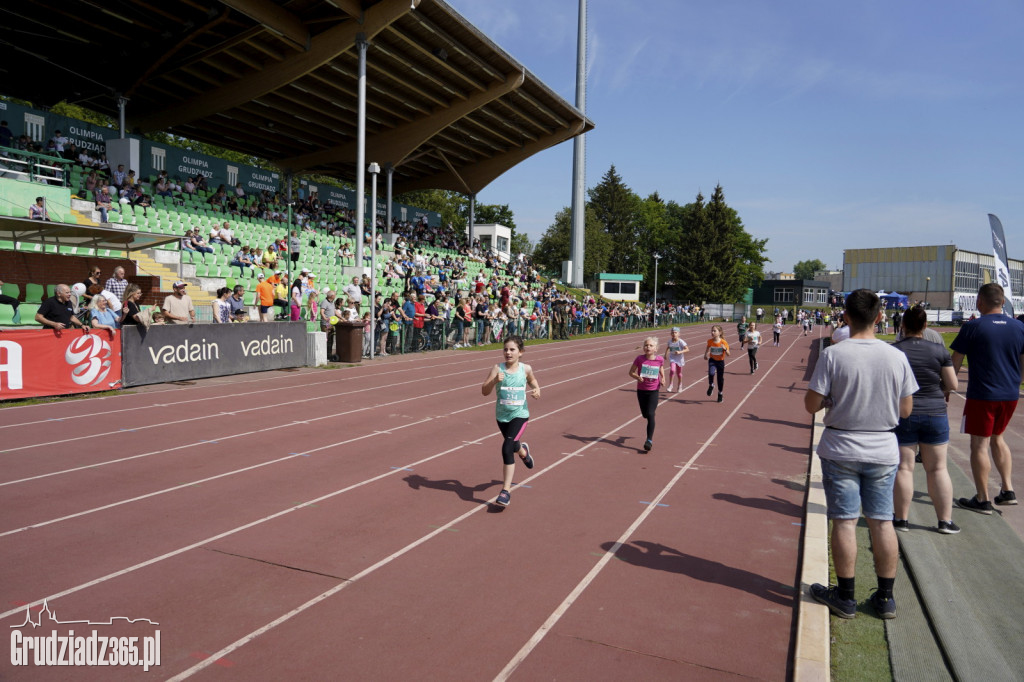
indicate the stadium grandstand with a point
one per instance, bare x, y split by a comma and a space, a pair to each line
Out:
314, 88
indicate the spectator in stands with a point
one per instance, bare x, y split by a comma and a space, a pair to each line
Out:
265, 297
201, 183
270, 257
327, 311
161, 187
118, 177
85, 159
102, 164
239, 310
104, 204
117, 284
353, 291
198, 243
178, 306
130, 308
190, 187
92, 280
91, 182
239, 191
59, 142
37, 211
221, 306
9, 300
294, 246
57, 312
242, 258
103, 316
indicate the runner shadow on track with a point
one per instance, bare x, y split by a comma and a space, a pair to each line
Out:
750, 416
659, 557
619, 442
772, 503
788, 448
450, 485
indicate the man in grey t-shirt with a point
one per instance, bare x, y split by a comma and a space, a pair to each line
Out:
870, 386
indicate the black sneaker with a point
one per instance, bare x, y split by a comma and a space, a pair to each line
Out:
885, 608
948, 528
720, 397
901, 525
504, 499
1006, 497
710, 388
528, 460
829, 596
648, 445
973, 505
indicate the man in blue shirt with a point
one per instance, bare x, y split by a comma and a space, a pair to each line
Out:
994, 347
409, 312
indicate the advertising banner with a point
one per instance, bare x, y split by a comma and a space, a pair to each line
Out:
1002, 272
182, 352
43, 362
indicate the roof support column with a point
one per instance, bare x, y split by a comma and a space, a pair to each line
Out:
390, 170
122, 102
361, 46
472, 218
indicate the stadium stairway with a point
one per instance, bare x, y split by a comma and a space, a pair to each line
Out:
168, 275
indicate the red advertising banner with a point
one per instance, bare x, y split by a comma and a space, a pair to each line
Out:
44, 362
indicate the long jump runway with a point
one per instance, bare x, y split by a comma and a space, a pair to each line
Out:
338, 524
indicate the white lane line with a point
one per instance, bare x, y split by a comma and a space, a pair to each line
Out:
562, 608
290, 456
558, 349
391, 472
383, 562
305, 399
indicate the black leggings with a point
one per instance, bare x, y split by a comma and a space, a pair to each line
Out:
776, 335
512, 431
648, 406
752, 356
716, 368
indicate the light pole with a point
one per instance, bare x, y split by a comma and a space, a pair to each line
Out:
927, 281
374, 169
657, 257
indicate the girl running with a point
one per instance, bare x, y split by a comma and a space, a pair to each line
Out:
512, 378
649, 371
777, 330
715, 353
674, 355
753, 343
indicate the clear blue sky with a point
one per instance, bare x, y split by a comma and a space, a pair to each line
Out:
830, 126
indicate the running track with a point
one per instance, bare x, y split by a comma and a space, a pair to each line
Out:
337, 524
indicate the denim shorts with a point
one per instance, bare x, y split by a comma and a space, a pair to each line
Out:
849, 486
930, 429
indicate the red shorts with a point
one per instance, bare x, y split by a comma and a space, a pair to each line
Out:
986, 417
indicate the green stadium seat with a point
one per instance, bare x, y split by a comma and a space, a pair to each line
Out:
7, 316
34, 293
11, 289
27, 314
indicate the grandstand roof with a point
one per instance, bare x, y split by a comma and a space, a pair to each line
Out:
278, 79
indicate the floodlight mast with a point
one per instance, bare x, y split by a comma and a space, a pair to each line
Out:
579, 171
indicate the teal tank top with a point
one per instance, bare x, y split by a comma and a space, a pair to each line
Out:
511, 401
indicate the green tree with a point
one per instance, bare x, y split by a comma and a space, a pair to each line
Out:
715, 258
617, 209
521, 244
805, 269
553, 246
487, 214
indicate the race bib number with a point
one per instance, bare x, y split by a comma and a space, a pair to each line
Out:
513, 395
717, 352
648, 372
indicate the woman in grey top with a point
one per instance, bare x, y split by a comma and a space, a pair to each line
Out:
927, 426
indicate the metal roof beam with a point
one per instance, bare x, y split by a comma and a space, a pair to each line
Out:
395, 145
275, 18
324, 47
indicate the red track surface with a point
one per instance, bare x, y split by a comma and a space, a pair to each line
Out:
337, 525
